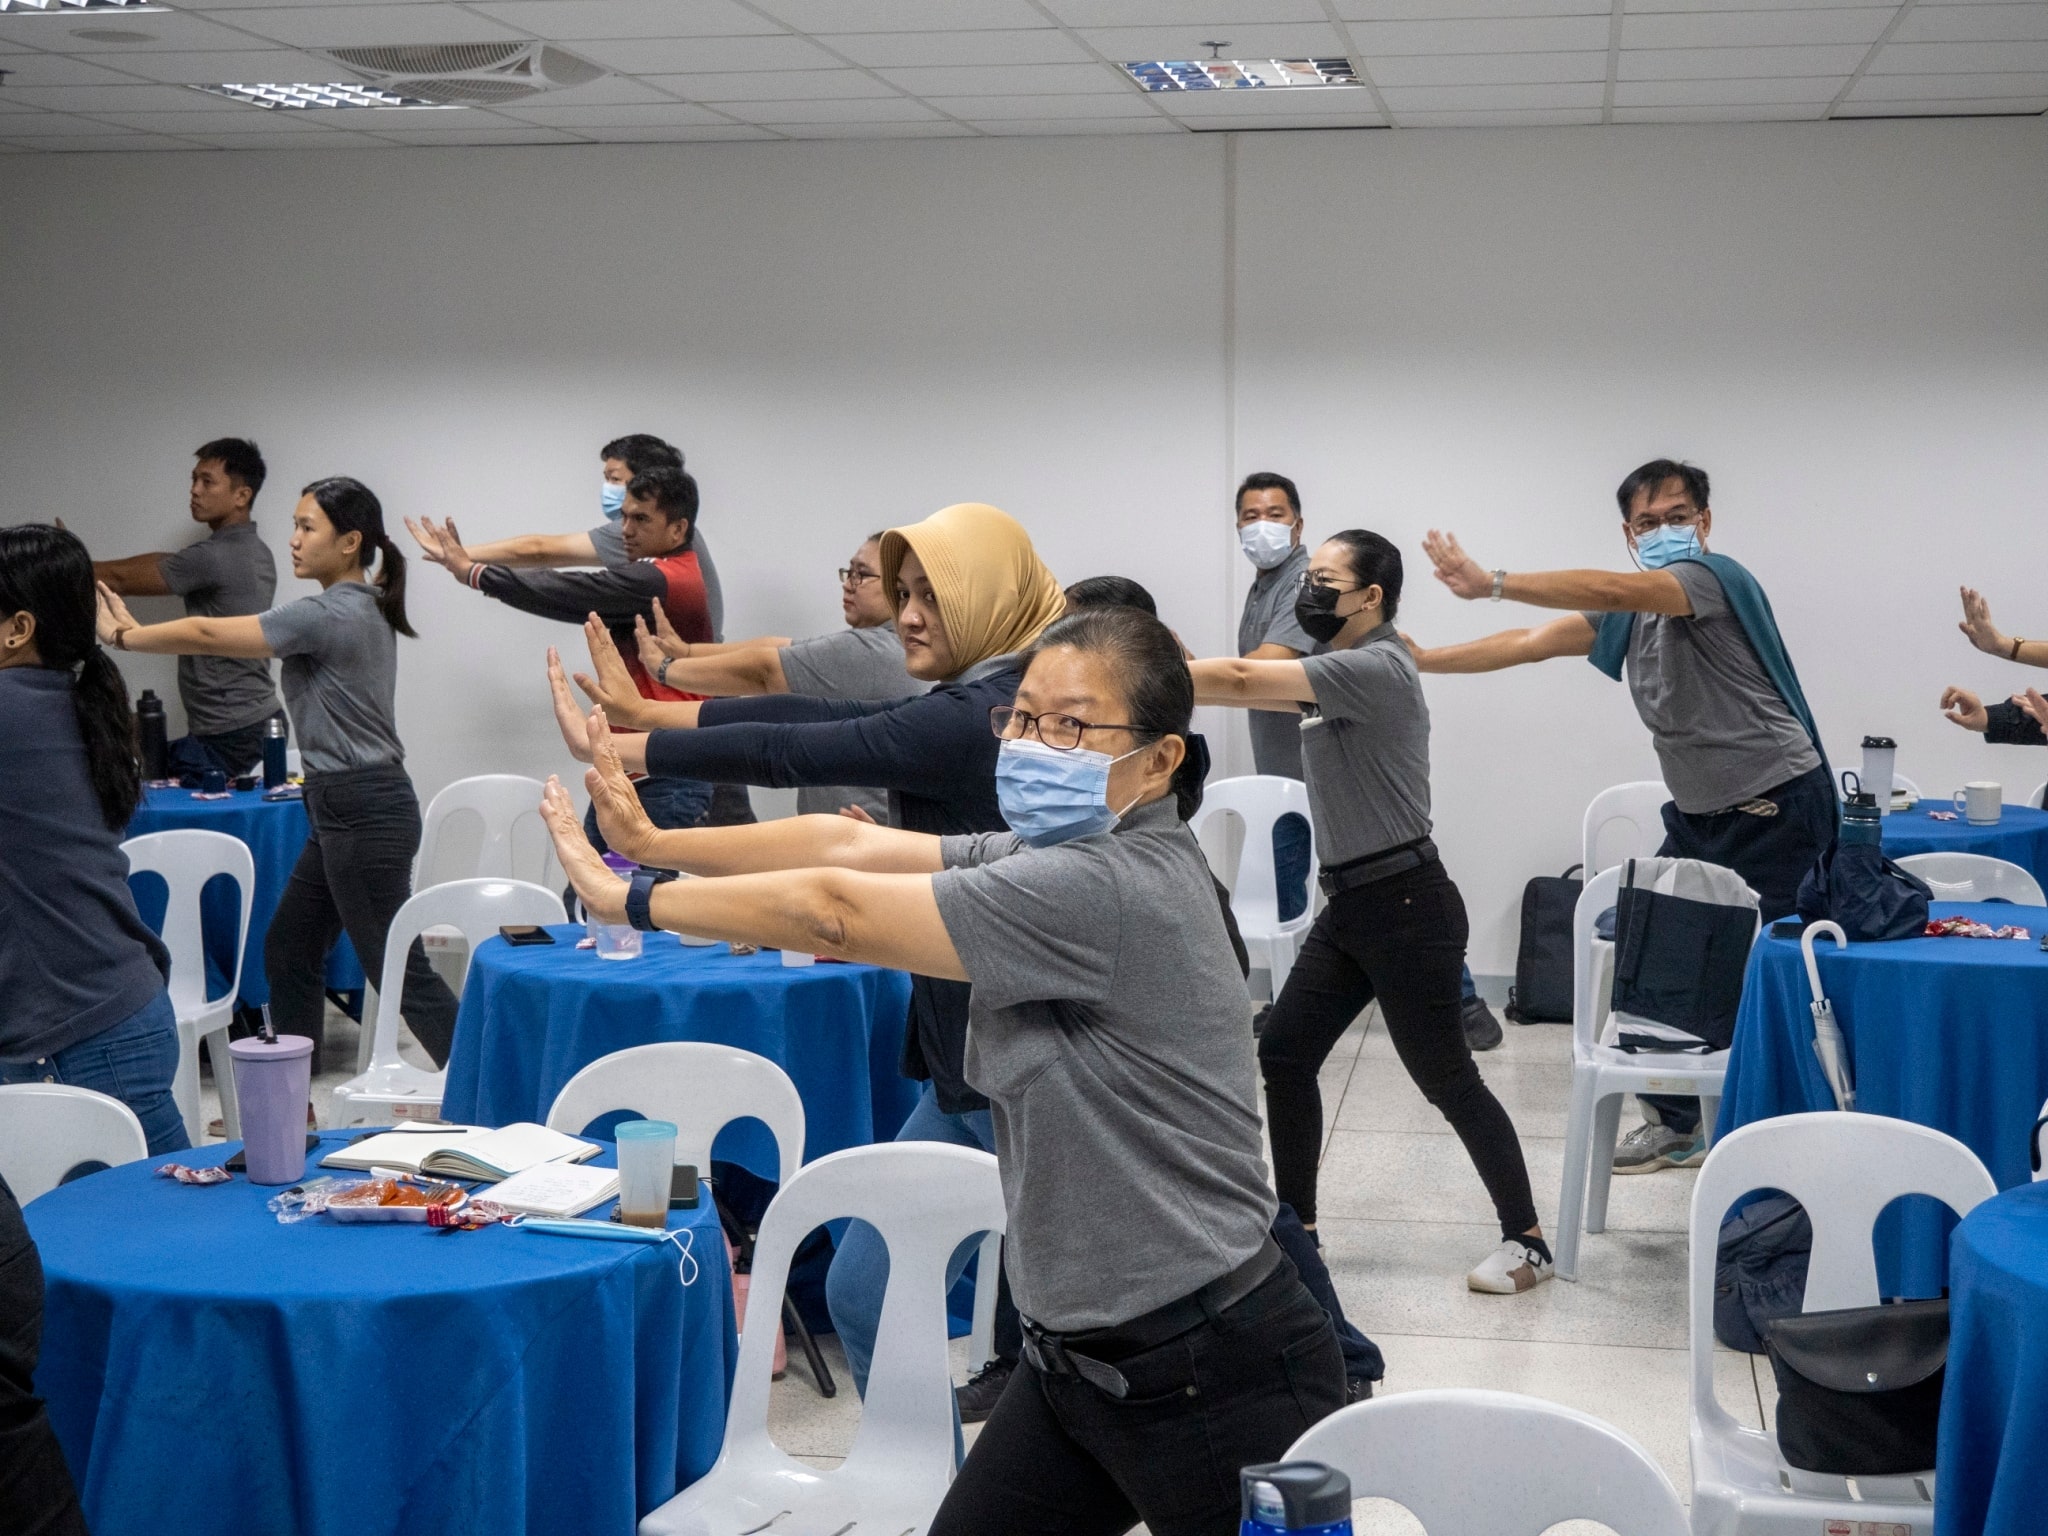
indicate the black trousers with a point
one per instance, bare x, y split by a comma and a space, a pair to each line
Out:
1060, 1455
353, 875
1400, 940
36, 1494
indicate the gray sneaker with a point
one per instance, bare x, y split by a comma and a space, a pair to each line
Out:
1482, 1029
1650, 1147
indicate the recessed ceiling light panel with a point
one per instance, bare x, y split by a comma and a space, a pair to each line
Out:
74, 7
1240, 74
302, 97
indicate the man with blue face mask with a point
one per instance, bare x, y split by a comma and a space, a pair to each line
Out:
1694, 634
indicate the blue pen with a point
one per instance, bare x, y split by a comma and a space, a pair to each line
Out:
611, 1231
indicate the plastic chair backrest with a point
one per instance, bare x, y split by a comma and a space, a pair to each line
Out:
1974, 877
1638, 805
1600, 892
1260, 799
701, 1088
1845, 1168
925, 1198
48, 1129
1543, 1463
1900, 781
2037, 797
499, 800
186, 859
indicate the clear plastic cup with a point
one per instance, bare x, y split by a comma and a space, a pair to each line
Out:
616, 941
647, 1159
796, 957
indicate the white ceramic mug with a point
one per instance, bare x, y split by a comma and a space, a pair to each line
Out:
1981, 803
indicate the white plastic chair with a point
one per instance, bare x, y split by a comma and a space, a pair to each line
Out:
925, 1198
1542, 1463
1900, 781
2040, 1146
1601, 1074
2037, 797
1844, 1169
48, 1129
1636, 810
1260, 800
500, 801
187, 859
477, 909
1974, 877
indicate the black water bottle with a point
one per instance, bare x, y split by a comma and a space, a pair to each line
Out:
273, 753
151, 734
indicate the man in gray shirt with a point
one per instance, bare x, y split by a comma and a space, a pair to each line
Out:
228, 700
1710, 678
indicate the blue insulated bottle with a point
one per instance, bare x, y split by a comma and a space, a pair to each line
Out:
273, 753
1294, 1498
1860, 813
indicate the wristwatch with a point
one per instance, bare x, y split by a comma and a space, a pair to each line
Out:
641, 892
2011, 655
661, 672
1500, 580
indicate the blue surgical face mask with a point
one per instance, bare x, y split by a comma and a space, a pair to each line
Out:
1667, 545
1049, 796
613, 500
1266, 543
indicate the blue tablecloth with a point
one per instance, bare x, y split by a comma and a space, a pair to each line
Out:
212, 1373
275, 831
2020, 836
533, 1016
1992, 1469
1948, 1033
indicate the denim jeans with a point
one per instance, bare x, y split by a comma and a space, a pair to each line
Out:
669, 803
132, 1061
1290, 865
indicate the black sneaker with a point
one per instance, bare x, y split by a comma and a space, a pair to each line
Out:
1482, 1029
1357, 1389
977, 1399
1259, 1020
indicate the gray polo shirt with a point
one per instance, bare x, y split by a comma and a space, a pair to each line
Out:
610, 543
1366, 749
864, 665
1107, 1029
228, 574
1269, 617
340, 674
1723, 732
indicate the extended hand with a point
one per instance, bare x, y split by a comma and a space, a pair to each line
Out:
672, 644
858, 813
652, 656
1964, 708
568, 716
602, 893
111, 616
2035, 705
441, 546
1456, 569
1977, 624
620, 815
613, 689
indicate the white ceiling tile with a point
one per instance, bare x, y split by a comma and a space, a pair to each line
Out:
1262, 104
1042, 107
712, 133
937, 128
56, 69
1758, 29
1317, 40
1948, 87
773, 85
339, 138
1487, 68
1287, 124
1940, 58
671, 114
1550, 117
694, 55
1974, 24
1491, 98
1737, 63
1437, 10
504, 133
2013, 107
902, 15
1780, 112
1010, 80
227, 118
1495, 35
1022, 127
908, 50
1649, 7
99, 144
1726, 93
41, 124
166, 29
1178, 13
608, 90
350, 26
11, 101
867, 109
113, 98
271, 65
627, 18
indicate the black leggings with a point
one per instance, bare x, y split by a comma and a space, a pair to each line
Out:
1400, 940
36, 1495
354, 873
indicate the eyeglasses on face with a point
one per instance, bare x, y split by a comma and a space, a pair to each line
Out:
1311, 579
1650, 522
853, 575
1062, 733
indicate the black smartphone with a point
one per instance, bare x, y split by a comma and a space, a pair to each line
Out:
1789, 928
682, 1187
525, 933
239, 1163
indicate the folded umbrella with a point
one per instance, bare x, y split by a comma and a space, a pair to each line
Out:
1828, 1044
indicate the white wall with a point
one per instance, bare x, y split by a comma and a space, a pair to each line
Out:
1846, 323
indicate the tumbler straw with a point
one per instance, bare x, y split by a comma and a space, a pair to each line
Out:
269, 1032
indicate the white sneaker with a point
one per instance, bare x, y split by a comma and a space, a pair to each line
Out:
1510, 1269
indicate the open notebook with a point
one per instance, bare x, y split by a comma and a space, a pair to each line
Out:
463, 1151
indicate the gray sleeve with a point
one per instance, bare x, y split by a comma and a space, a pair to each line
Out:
610, 545
1282, 628
191, 569
1039, 929
714, 592
1352, 685
296, 629
970, 849
860, 664
1703, 587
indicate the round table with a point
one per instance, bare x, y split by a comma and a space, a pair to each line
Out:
210, 1372
534, 1015
1948, 1033
1993, 1460
275, 831
2019, 836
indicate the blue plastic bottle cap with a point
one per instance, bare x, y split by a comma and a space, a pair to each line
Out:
643, 1130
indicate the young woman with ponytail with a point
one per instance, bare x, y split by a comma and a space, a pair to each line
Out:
340, 653
82, 997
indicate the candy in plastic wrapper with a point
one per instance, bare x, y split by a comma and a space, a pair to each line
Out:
186, 1175
304, 1201
1970, 928
468, 1218
1943, 816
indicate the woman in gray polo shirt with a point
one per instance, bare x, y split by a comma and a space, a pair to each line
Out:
1395, 928
1167, 1341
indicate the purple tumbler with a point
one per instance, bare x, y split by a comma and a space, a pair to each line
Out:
274, 1084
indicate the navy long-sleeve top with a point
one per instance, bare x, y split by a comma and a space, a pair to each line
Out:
934, 754
2009, 725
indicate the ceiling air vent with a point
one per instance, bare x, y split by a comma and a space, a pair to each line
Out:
468, 74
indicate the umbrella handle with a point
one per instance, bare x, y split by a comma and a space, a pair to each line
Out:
1806, 949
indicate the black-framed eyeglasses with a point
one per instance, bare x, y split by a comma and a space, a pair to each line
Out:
853, 576
1682, 517
1062, 733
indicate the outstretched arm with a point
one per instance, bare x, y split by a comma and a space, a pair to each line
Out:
1987, 637
1568, 636
137, 576
241, 636
528, 550
1250, 683
664, 641
1594, 591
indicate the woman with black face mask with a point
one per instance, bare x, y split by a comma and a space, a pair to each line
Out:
1395, 928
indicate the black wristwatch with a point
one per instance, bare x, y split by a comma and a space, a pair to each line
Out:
640, 892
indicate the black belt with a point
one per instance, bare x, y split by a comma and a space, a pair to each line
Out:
1078, 1354
1335, 879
